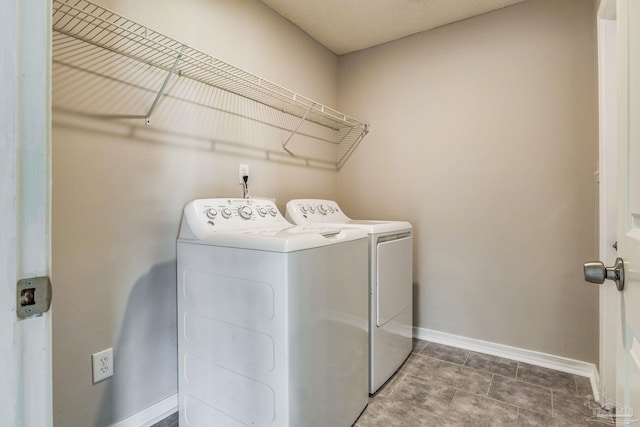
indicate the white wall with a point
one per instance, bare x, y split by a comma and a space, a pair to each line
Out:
119, 190
483, 135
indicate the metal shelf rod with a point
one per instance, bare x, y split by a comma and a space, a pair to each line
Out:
284, 146
147, 119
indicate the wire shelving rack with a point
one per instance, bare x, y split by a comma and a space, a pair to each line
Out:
93, 40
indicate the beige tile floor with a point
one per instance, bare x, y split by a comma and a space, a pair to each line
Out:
440, 385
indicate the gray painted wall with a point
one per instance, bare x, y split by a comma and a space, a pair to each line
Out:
119, 190
483, 135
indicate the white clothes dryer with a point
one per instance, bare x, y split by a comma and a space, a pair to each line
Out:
390, 282
272, 318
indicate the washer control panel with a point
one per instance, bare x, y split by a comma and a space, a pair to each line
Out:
303, 211
234, 213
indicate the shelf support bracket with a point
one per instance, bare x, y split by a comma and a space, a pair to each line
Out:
345, 156
172, 71
284, 146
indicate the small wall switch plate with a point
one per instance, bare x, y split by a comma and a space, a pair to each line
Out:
102, 365
242, 171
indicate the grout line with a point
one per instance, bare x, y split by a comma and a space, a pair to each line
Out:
532, 410
404, 375
490, 384
421, 348
485, 371
505, 403
451, 402
516, 406
429, 357
540, 386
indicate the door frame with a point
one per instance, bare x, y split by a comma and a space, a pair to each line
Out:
607, 194
25, 214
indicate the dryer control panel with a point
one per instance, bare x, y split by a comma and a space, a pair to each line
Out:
303, 211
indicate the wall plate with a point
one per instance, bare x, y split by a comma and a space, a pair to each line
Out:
33, 297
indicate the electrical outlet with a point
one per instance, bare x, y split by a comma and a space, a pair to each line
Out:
243, 170
102, 365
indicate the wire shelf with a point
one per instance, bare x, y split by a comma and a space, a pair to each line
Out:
109, 50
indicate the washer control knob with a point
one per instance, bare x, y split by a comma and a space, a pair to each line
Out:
273, 211
226, 212
211, 213
332, 209
245, 212
312, 209
303, 209
322, 209
262, 211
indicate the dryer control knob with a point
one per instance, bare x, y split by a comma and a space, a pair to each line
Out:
322, 209
226, 212
273, 211
211, 213
245, 212
262, 211
312, 209
303, 209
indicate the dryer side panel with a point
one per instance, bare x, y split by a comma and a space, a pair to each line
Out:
394, 261
391, 313
329, 329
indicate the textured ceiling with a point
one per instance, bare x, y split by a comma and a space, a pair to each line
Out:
345, 26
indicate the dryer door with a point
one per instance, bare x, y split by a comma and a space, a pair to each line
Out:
394, 278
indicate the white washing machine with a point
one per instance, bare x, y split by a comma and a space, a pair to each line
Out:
390, 282
272, 319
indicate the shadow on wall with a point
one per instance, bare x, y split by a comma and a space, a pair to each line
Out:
123, 81
145, 354
189, 113
257, 144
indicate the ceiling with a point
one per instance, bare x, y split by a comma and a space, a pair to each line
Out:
345, 26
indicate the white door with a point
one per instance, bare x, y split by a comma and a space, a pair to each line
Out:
619, 65
628, 336
25, 345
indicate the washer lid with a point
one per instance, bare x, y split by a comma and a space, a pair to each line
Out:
329, 214
374, 227
288, 239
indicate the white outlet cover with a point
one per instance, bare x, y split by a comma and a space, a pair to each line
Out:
102, 365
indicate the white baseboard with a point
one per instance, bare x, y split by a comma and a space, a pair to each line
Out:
545, 360
151, 415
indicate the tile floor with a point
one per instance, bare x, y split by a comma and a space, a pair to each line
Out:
440, 385
170, 421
